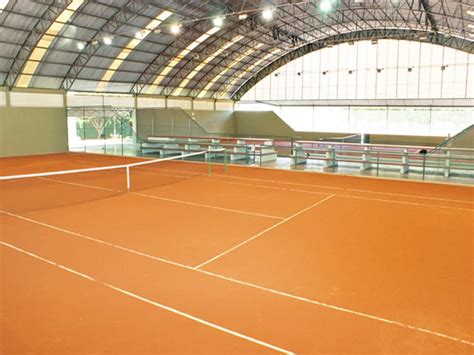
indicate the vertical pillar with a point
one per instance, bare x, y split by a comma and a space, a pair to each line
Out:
405, 162
447, 164
366, 159
330, 157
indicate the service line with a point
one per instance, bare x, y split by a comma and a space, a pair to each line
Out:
262, 232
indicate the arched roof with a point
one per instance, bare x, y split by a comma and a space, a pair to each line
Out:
62, 44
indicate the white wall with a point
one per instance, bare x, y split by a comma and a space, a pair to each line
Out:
29, 99
422, 121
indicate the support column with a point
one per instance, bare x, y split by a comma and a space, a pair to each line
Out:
447, 164
405, 162
366, 160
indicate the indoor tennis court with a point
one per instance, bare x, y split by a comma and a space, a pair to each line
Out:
233, 262
236, 177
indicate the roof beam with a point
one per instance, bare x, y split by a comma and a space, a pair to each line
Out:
31, 41
122, 16
429, 17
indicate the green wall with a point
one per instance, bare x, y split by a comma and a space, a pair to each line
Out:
264, 123
221, 122
464, 139
28, 131
166, 121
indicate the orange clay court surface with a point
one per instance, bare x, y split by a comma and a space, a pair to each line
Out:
250, 260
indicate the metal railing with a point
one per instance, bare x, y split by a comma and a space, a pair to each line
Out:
445, 161
266, 151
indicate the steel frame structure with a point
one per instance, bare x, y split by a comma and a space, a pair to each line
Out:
298, 27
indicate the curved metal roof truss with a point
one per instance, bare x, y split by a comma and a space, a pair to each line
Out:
127, 46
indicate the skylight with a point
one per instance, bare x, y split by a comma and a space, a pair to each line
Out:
206, 61
180, 57
45, 42
249, 69
139, 36
246, 54
3, 5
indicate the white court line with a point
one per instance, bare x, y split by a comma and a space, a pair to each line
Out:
413, 196
153, 303
262, 232
277, 188
342, 188
207, 206
343, 195
184, 177
278, 181
335, 188
270, 290
407, 203
263, 186
82, 185
195, 204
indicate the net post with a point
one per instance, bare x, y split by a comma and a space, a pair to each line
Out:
128, 178
208, 161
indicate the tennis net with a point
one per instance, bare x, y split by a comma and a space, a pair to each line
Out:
30, 192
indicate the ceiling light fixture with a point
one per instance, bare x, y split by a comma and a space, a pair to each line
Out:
80, 45
175, 29
243, 17
218, 21
267, 14
107, 40
325, 6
